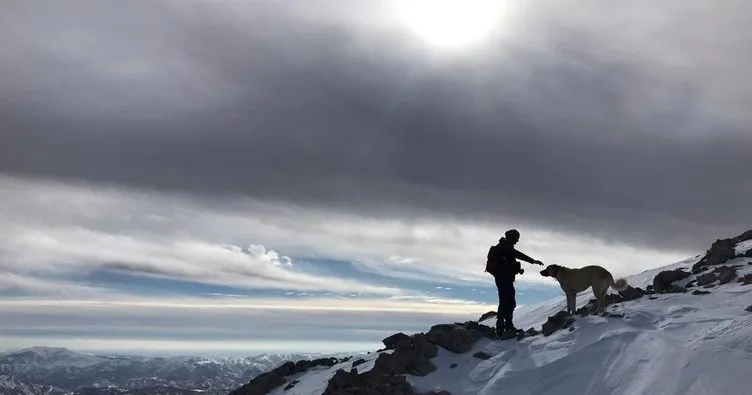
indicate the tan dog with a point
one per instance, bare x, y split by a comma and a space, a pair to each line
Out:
573, 281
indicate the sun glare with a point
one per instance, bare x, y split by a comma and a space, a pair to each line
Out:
451, 23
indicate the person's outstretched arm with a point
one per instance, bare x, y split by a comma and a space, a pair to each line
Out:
519, 255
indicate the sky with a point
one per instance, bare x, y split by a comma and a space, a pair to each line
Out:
238, 177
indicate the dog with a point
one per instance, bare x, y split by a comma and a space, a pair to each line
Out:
573, 281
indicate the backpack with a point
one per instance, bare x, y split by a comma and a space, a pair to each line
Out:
493, 260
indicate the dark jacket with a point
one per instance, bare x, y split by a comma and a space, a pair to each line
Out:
502, 260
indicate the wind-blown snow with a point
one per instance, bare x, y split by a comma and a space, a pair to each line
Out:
674, 344
743, 247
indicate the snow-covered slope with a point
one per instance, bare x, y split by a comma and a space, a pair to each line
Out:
668, 344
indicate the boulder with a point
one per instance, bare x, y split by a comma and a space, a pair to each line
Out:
720, 252
726, 274
746, 280
452, 337
391, 342
700, 292
706, 279
592, 304
483, 330
663, 281
482, 355
358, 362
749, 308
632, 293
411, 355
560, 320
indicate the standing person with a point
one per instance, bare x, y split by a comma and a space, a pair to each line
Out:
503, 265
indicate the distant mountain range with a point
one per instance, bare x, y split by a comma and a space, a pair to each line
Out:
59, 371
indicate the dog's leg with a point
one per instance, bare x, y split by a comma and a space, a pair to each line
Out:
600, 295
571, 303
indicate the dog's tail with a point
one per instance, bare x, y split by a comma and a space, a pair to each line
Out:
619, 284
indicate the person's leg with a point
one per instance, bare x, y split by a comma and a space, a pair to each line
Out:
500, 310
509, 303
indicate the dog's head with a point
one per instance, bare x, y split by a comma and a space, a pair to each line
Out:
550, 271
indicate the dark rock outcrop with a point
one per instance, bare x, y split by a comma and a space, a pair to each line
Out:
720, 252
663, 281
632, 293
726, 274
482, 355
700, 292
411, 355
391, 342
560, 320
592, 304
373, 382
266, 382
455, 338
749, 308
742, 237
706, 279
261, 385
746, 280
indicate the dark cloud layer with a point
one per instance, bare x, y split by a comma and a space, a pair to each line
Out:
564, 123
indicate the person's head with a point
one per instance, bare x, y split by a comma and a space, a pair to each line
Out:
512, 235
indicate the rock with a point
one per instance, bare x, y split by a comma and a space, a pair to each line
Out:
726, 274
359, 362
709, 286
483, 330
720, 252
632, 293
749, 308
746, 280
706, 279
391, 342
291, 385
663, 281
452, 365
560, 320
699, 292
742, 237
592, 304
373, 382
261, 385
420, 366
454, 338
531, 332
482, 355
652, 297
487, 315
691, 284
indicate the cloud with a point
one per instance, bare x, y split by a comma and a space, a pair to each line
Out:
244, 326
65, 229
573, 123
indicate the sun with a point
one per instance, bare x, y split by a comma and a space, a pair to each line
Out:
451, 23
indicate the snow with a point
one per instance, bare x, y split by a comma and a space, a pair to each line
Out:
675, 344
743, 247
